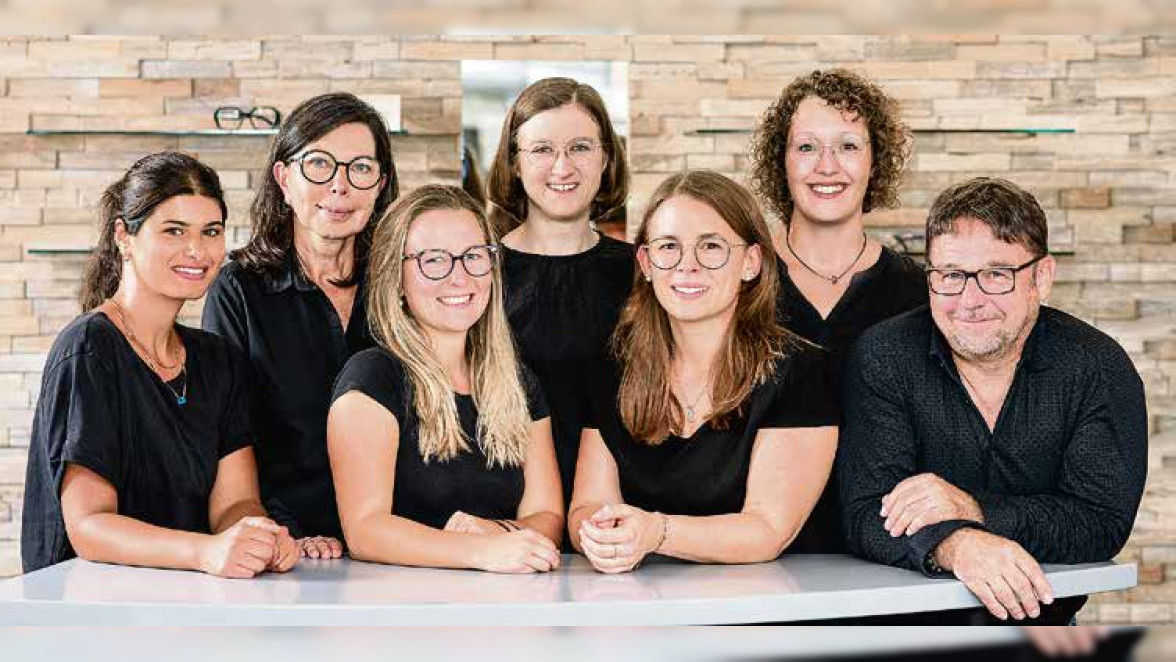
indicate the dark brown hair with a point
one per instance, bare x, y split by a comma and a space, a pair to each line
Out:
890, 139
1011, 212
505, 190
644, 344
150, 182
272, 219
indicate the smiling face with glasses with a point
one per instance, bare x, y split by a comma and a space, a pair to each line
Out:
985, 293
560, 161
448, 270
695, 261
828, 162
332, 184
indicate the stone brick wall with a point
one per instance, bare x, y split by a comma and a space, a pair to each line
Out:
1109, 187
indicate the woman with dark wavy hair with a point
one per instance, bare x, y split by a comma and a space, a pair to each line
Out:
293, 298
831, 149
560, 166
714, 437
141, 450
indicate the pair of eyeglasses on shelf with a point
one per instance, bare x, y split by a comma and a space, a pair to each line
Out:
231, 118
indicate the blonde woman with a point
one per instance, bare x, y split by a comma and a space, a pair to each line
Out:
439, 439
717, 434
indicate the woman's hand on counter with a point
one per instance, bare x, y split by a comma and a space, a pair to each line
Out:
461, 522
618, 537
320, 547
518, 552
244, 550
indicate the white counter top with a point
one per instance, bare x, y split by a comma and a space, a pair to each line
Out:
345, 592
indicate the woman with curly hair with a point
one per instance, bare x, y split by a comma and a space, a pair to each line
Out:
830, 150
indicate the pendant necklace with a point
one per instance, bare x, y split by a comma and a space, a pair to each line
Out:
691, 407
832, 279
180, 396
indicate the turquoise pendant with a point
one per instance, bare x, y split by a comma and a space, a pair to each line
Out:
182, 400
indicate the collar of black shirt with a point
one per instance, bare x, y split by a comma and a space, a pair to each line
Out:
290, 274
1034, 356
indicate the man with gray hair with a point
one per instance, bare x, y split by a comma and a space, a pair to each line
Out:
987, 433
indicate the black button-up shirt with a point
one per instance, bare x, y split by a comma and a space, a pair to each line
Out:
1062, 472
296, 344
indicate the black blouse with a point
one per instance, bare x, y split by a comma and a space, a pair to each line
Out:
296, 346
429, 493
706, 473
892, 285
562, 310
102, 408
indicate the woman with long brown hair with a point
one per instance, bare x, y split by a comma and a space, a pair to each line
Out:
439, 438
716, 435
561, 166
141, 450
293, 298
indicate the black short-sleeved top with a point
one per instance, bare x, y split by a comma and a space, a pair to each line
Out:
102, 408
296, 346
706, 473
891, 286
430, 493
563, 310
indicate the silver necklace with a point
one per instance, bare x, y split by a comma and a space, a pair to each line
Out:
692, 406
154, 364
832, 279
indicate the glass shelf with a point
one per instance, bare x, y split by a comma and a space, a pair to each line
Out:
711, 132
59, 251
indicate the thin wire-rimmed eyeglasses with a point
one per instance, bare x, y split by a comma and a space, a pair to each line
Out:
993, 280
231, 118
543, 155
437, 264
845, 148
319, 167
711, 252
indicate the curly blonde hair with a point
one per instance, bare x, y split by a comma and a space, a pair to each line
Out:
890, 138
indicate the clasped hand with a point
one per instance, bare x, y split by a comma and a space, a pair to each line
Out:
617, 537
248, 548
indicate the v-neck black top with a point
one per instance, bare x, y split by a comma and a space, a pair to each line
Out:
430, 492
892, 285
706, 473
563, 310
101, 407
296, 346
1062, 473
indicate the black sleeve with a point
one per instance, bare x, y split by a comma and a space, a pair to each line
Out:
803, 396
76, 399
536, 400
225, 315
602, 386
377, 375
1088, 516
224, 312
877, 451
236, 430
